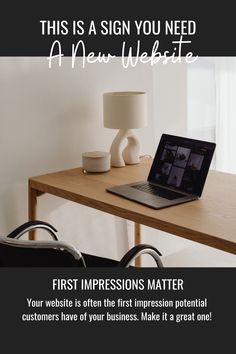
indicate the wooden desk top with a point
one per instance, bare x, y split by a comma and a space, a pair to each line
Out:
210, 220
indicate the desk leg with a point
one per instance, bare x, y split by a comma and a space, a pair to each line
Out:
32, 208
137, 240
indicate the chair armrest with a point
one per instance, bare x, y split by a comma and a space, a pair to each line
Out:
137, 251
32, 225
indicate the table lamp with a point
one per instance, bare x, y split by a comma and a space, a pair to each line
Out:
125, 111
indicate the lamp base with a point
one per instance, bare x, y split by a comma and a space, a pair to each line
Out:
130, 154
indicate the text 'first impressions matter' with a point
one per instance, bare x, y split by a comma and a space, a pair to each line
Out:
170, 284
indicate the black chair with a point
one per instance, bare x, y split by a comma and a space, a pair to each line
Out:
15, 252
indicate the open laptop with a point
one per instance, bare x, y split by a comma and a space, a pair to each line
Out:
177, 175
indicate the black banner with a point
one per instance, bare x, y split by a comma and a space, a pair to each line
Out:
150, 28
150, 302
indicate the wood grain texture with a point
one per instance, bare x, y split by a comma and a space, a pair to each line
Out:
210, 220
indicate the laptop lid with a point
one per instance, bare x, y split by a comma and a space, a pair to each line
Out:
182, 164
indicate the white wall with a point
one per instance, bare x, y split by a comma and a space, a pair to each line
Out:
47, 119
202, 99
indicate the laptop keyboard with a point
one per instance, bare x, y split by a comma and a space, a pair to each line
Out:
161, 192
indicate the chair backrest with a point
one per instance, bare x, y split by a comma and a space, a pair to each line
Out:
15, 252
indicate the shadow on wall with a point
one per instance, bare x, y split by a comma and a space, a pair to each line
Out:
9, 208
89, 230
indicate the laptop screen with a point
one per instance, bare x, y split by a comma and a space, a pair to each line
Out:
182, 164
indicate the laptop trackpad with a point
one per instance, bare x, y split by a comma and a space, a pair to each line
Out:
153, 201
146, 198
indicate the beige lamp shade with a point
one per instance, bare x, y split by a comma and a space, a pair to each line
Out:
125, 110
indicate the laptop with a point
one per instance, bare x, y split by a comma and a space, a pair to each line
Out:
177, 175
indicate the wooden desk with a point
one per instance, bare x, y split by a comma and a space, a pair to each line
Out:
210, 220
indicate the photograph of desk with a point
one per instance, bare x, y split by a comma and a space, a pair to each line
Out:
211, 220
